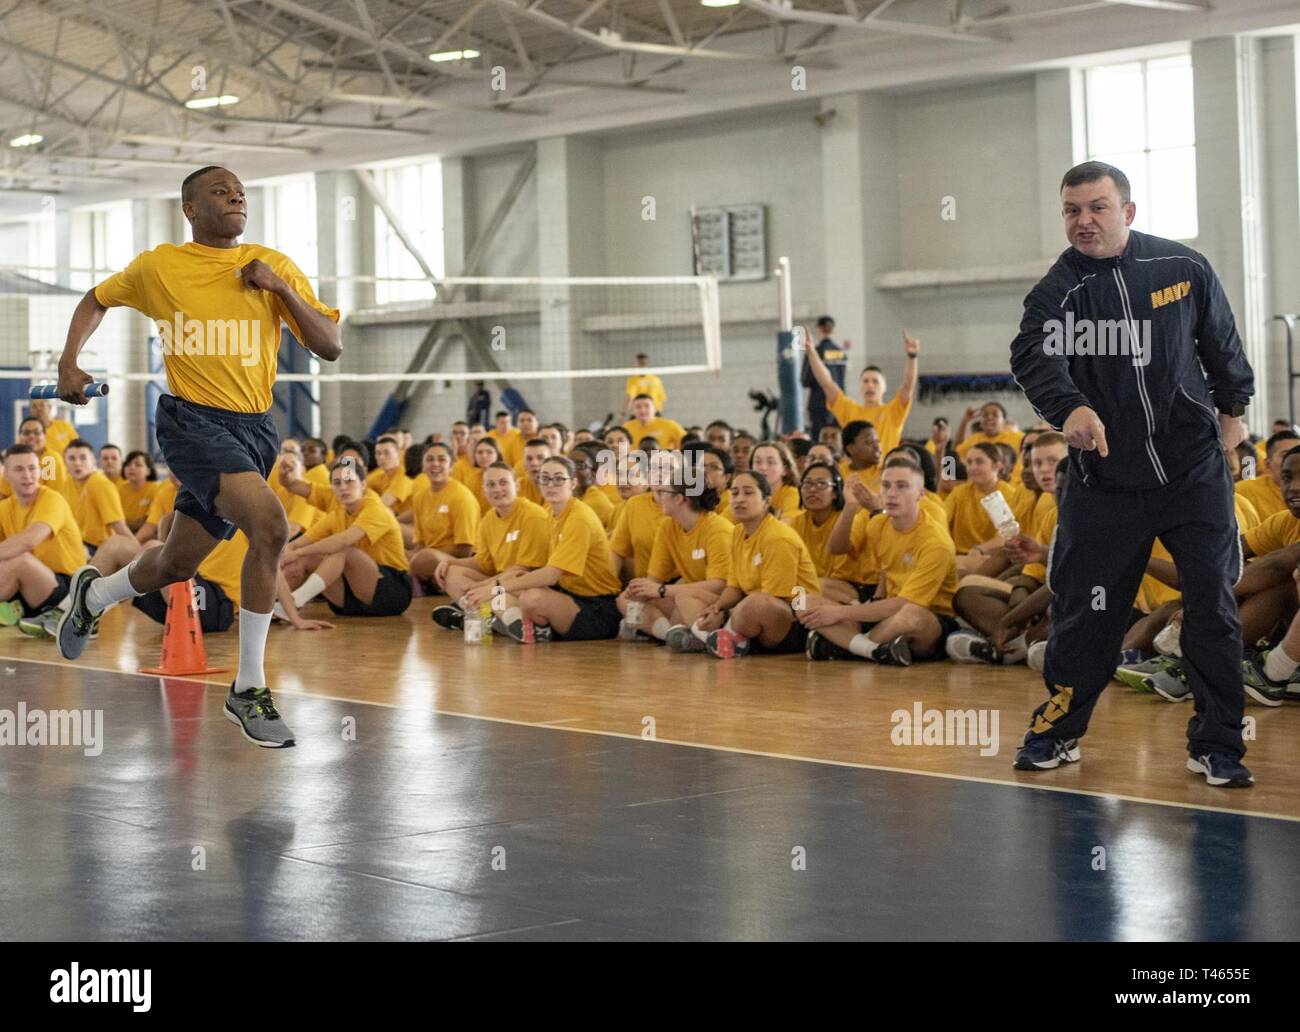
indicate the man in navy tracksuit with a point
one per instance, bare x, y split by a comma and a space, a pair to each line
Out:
1128, 344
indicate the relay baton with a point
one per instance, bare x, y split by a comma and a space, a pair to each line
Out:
50, 391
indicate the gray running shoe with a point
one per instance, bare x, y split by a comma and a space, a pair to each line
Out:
1259, 686
1138, 675
255, 713
77, 620
41, 625
1171, 684
680, 639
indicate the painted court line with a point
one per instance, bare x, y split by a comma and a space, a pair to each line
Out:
852, 764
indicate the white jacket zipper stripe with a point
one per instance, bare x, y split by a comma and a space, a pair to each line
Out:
1141, 379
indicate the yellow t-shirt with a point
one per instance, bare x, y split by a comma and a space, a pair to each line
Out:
771, 561
647, 383
382, 540
668, 432
397, 483
511, 444
446, 518
96, 504
137, 502
724, 507
967, 520
600, 504
296, 508
857, 565
220, 339
633, 535
816, 538
1041, 527
785, 500
460, 470
529, 490
703, 553
1023, 500
62, 551
579, 548
59, 434
225, 564
163, 502
869, 476
1011, 437
1263, 494
919, 565
888, 419
521, 539
1273, 532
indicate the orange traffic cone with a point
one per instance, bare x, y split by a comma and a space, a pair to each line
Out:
182, 648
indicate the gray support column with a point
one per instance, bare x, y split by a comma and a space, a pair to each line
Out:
1059, 128
1230, 197
1281, 117
570, 242
344, 235
860, 228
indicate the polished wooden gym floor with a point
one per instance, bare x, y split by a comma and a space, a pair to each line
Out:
613, 790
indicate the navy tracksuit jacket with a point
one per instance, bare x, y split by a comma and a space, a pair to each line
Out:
1148, 341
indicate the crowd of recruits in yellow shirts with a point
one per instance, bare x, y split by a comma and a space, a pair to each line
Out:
492, 509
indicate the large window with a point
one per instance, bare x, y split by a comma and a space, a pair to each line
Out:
1140, 119
100, 243
414, 192
290, 220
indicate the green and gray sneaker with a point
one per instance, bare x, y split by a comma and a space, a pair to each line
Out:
1258, 685
1138, 675
41, 625
681, 638
77, 620
1171, 683
10, 613
255, 713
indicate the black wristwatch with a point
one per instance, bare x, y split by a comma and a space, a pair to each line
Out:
1236, 411
663, 590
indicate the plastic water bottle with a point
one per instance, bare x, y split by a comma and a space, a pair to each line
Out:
473, 628
485, 617
1000, 515
631, 623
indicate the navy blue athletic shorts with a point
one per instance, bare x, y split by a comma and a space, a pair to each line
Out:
200, 442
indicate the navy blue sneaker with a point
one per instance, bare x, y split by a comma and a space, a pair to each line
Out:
1047, 753
1221, 770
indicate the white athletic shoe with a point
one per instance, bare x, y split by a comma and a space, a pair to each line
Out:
969, 647
1037, 656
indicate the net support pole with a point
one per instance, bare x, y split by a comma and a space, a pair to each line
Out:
787, 358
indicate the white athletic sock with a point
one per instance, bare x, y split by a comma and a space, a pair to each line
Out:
660, 628
862, 646
701, 634
252, 647
116, 587
512, 615
308, 590
1279, 666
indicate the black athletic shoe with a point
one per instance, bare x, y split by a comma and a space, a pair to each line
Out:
449, 617
894, 653
1047, 753
1221, 770
819, 648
